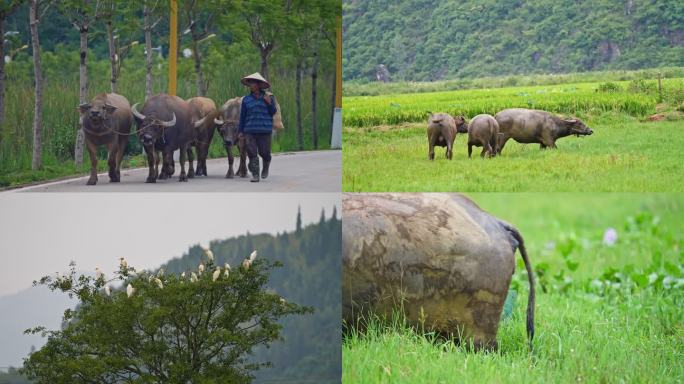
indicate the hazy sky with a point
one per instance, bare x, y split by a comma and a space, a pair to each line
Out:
40, 233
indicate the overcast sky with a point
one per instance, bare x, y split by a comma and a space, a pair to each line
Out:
40, 233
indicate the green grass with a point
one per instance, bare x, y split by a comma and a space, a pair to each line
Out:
596, 323
360, 88
623, 154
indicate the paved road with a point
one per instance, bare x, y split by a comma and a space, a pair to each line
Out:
315, 171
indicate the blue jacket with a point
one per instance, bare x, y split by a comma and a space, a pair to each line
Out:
255, 115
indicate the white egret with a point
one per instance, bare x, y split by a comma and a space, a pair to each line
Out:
108, 291
227, 267
98, 273
216, 274
201, 268
130, 290
252, 256
246, 263
208, 253
159, 283
193, 277
161, 272
183, 275
123, 263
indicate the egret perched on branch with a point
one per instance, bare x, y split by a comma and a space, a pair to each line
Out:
252, 256
193, 277
246, 263
216, 274
108, 291
123, 263
98, 273
201, 268
209, 253
183, 275
130, 290
227, 267
161, 272
159, 283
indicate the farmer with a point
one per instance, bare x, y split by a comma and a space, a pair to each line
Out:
256, 123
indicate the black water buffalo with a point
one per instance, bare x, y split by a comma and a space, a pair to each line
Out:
483, 131
203, 111
436, 257
165, 125
534, 126
107, 121
441, 131
227, 123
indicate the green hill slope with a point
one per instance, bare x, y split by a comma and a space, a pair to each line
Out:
425, 40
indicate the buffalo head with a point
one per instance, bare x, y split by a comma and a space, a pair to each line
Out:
461, 125
97, 110
150, 128
577, 127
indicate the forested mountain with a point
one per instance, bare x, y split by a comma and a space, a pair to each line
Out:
426, 40
310, 276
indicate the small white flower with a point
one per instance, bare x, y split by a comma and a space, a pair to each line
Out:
610, 236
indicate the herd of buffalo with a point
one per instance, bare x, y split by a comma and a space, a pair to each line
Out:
492, 132
165, 123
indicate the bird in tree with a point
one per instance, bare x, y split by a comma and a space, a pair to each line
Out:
208, 253
98, 273
201, 268
107, 290
122, 263
192, 333
252, 256
216, 274
193, 278
159, 283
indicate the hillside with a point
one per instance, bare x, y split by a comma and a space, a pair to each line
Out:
427, 40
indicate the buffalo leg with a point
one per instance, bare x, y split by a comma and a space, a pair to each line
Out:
502, 142
166, 160
431, 147
153, 164
123, 141
470, 150
191, 169
92, 151
484, 151
231, 159
490, 151
112, 152
183, 176
202, 154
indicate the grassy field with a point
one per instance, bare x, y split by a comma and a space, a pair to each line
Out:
605, 314
385, 144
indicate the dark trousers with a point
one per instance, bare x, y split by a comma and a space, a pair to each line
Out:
258, 144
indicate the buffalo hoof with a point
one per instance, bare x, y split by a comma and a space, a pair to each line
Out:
182, 178
163, 176
151, 180
230, 174
92, 180
191, 173
114, 179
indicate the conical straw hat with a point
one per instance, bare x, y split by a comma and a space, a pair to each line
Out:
256, 76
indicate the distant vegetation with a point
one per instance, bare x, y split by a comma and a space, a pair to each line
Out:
430, 40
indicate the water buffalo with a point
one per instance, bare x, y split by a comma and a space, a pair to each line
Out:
435, 257
107, 121
203, 111
483, 131
227, 123
165, 125
441, 131
534, 126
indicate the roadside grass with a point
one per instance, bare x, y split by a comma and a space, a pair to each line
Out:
604, 314
623, 154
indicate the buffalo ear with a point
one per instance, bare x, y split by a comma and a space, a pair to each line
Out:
110, 108
83, 108
571, 121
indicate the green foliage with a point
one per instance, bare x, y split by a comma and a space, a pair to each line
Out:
170, 329
430, 40
618, 307
609, 87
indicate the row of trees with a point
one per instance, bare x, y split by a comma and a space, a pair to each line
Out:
302, 28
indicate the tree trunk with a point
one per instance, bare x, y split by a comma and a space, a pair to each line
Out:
83, 93
264, 62
148, 56
36, 162
314, 114
2, 74
201, 84
333, 99
298, 104
112, 55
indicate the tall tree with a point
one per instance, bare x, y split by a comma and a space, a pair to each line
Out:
36, 10
267, 21
200, 17
149, 10
6, 8
82, 14
163, 328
